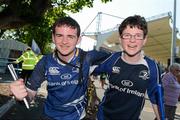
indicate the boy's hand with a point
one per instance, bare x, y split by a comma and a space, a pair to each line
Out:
18, 89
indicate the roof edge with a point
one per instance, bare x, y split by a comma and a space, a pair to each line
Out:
159, 16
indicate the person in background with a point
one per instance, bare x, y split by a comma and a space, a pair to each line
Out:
29, 60
171, 88
178, 78
66, 71
39, 56
129, 74
165, 71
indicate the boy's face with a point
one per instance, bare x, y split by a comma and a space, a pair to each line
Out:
65, 40
132, 40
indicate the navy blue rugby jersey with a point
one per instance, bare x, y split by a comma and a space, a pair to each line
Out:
66, 97
125, 96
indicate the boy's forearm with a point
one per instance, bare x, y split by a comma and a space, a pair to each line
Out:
156, 111
31, 94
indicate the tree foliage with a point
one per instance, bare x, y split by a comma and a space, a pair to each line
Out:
26, 20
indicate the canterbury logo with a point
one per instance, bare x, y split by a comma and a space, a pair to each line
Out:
54, 70
116, 69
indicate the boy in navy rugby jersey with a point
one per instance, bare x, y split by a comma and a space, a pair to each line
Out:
129, 75
66, 71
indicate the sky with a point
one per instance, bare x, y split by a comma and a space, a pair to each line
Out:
114, 12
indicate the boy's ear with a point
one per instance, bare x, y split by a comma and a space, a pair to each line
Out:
145, 40
53, 38
79, 39
119, 40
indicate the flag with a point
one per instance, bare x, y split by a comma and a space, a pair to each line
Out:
35, 48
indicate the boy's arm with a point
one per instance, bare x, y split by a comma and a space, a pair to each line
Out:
106, 65
31, 94
154, 99
37, 76
97, 57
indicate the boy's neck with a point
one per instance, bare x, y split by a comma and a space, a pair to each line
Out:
66, 58
133, 59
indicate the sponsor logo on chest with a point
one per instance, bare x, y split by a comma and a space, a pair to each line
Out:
66, 76
127, 83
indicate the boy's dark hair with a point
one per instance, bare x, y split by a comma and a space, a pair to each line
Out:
68, 21
134, 21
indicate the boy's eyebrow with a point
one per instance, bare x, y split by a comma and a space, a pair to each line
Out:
67, 35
